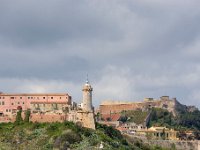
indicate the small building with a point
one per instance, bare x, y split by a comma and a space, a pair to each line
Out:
159, 133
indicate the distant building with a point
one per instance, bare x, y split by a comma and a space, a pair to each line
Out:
159, 133
107, 107
49, 107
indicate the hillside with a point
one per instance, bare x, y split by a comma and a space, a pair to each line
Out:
136, 116
61, 136
184, 120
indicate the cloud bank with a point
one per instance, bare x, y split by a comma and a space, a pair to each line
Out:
131, 49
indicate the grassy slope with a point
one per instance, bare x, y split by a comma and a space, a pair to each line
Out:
46, 136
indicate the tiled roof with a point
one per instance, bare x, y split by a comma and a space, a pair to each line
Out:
113, 117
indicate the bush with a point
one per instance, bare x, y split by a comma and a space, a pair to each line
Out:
19, 119
71, 137
27, 115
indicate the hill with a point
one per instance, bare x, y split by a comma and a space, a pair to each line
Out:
62, 136
184, 120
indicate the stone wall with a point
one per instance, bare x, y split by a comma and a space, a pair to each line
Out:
179, 145
86, 119
114, 107
48, 117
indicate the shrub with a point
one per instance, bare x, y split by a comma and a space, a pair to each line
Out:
19, 119
27, 115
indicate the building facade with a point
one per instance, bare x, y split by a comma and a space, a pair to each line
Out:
49, 107
36, 103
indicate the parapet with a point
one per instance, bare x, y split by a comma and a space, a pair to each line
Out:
164, 97
148, 99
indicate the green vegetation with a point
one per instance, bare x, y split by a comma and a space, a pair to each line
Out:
49, 136
27, 115
19, 119
183, 121
161, 117
137, 116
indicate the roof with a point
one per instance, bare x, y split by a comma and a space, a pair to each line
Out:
121, 129
34, 94
48, 102
113, 117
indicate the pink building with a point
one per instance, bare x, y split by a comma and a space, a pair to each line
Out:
9, 103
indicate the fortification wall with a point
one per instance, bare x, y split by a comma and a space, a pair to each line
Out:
48, 117
117, 107
86, 119
179, 145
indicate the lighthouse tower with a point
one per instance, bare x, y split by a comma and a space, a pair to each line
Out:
86, 115
87, 97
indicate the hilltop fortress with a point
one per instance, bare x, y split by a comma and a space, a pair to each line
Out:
172, 105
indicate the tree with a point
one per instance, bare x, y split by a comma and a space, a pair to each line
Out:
27, 115
19, 119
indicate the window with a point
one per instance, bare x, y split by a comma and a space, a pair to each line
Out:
43, 97
51, 97
3, 97
0, 103
0, 97
22, 102
18, 103
6, 110
12, 104
3, 103
12, 97
66, 97
20, 97
60, 97
28, 97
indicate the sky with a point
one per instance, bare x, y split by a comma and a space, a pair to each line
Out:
130, 49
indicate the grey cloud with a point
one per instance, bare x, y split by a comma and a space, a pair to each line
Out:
130, 49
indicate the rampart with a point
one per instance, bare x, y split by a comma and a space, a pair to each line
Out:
107, 107
178, 145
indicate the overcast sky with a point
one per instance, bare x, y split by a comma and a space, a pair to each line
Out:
131, 49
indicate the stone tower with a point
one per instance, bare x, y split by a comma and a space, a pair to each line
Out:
87, 97
86, 115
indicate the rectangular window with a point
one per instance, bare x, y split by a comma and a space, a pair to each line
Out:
12, 97
51, 97
43, 97
3, 103
20, 97
0, 97
12, 103
28, 97
60, 97
6, 110
18, 103
0, 103
22, 102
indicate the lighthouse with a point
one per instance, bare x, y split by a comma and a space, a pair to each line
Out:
87, 97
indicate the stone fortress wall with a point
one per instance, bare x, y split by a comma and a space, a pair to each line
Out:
107, 107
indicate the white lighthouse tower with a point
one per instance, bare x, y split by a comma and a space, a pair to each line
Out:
87, 97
